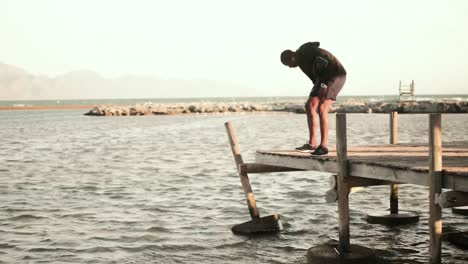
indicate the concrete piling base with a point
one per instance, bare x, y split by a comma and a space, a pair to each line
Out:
392, 219
264, 225
329, 254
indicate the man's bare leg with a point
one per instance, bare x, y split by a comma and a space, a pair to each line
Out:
312, 119
323, 113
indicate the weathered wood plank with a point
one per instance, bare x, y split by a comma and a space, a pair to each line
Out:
263, 168
404, 163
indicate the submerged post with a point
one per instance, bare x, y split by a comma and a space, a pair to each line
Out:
343, 183
435, 188
394, 140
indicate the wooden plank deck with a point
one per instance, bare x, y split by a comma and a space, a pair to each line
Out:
404, 163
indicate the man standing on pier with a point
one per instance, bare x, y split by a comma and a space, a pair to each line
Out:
328, 77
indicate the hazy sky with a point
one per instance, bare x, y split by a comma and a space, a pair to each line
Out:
378, 42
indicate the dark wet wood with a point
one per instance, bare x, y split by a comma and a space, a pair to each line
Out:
343, 183
394, 140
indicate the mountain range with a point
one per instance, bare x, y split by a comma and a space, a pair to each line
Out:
19, 84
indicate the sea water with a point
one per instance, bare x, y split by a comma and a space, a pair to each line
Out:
164, 189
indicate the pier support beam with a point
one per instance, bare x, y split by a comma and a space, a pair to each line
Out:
266, 224
452, 199
395, 217
355, 184
343, 182
344, 252
435, 188
460, 210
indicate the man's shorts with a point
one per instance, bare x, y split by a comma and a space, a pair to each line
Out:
334, 87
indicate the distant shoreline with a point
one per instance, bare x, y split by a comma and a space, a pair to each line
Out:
46, 107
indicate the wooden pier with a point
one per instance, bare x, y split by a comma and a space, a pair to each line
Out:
433, 165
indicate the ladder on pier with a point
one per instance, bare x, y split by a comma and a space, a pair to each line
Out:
407, 90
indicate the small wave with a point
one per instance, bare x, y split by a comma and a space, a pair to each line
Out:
177, 248
6, 245
117, 197
76, 215
118, 222
289, 248
232, 245
156, 209
44, 249
104, 239
95, 250
141, 248
25, 217
89, 188
157, 229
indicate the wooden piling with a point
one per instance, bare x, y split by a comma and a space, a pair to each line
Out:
394, 128
394, 140
343, 184
249, 196
234, 144
435, 188
242, 169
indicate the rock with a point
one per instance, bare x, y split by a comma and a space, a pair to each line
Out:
354, 107
295, 108
96, 111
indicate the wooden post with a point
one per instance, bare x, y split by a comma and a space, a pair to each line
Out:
399, 91
435, 188
394, 128
249, 196
242, 169
234, 144
343, 183
394, 140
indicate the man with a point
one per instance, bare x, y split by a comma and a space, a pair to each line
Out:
328, 77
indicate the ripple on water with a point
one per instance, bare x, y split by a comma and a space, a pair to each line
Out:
24, 217
158, 229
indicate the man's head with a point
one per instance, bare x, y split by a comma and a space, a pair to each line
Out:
289, 58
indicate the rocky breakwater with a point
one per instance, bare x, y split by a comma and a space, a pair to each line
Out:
443, 106
292, 107
185, 108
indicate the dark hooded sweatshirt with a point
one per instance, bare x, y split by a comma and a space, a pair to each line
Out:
318, 64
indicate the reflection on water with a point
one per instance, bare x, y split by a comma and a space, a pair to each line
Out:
163, 189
